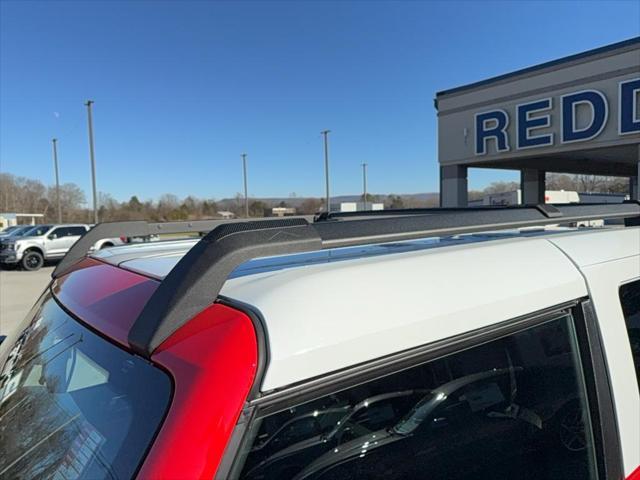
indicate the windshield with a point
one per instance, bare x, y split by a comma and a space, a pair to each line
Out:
36, 231
74, 406
18, 231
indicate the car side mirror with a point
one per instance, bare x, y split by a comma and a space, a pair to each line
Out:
53, 236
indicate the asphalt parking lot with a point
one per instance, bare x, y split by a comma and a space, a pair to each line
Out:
18, 292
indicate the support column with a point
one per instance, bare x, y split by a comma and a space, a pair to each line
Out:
453, 186
532, 186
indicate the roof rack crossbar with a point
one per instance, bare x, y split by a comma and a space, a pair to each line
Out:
196, 280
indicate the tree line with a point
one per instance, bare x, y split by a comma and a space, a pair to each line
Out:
562, 181
25, 195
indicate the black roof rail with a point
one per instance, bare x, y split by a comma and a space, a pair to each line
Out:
196, 280
136, 228
444, 222
324, 216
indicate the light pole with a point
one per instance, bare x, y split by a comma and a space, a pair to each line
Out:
93, 162
364, 185
325, 133
246, 192
55, 166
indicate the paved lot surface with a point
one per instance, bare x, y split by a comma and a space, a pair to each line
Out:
18, 292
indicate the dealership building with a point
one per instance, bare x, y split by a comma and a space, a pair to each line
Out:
579, 114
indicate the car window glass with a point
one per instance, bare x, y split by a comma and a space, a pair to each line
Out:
328, 419
75, 231
20, 231
58, 232
380, 412
375, 416
630, 300
38, 230
298, 430
15, 232
512, 408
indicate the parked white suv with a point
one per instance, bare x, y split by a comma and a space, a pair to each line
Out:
45, 242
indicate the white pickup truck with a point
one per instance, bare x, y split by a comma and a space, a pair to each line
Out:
45, 242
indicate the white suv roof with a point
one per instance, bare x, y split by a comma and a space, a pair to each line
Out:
327, 310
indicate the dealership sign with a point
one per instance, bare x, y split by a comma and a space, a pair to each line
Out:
533, 116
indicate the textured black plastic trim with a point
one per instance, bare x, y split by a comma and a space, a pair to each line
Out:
196, 280
377, 225
363, 229
324, 216
231, 459
599, 392
246, 415
128, 229
549, 210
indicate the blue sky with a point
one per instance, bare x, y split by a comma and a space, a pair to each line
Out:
181, 89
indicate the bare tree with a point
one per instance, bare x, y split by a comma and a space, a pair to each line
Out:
502, 187
310, 206
587, 183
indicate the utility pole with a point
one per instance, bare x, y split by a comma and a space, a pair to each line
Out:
364, 184
55, 166
325, 133
93, 162
246, 192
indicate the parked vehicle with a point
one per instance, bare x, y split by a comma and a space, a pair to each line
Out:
15, 231
41, 243
8, 230
393, 345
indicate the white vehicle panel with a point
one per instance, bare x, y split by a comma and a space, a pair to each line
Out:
141, 250
599, 245
608, 259
153, 266
323, 318
604, 281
